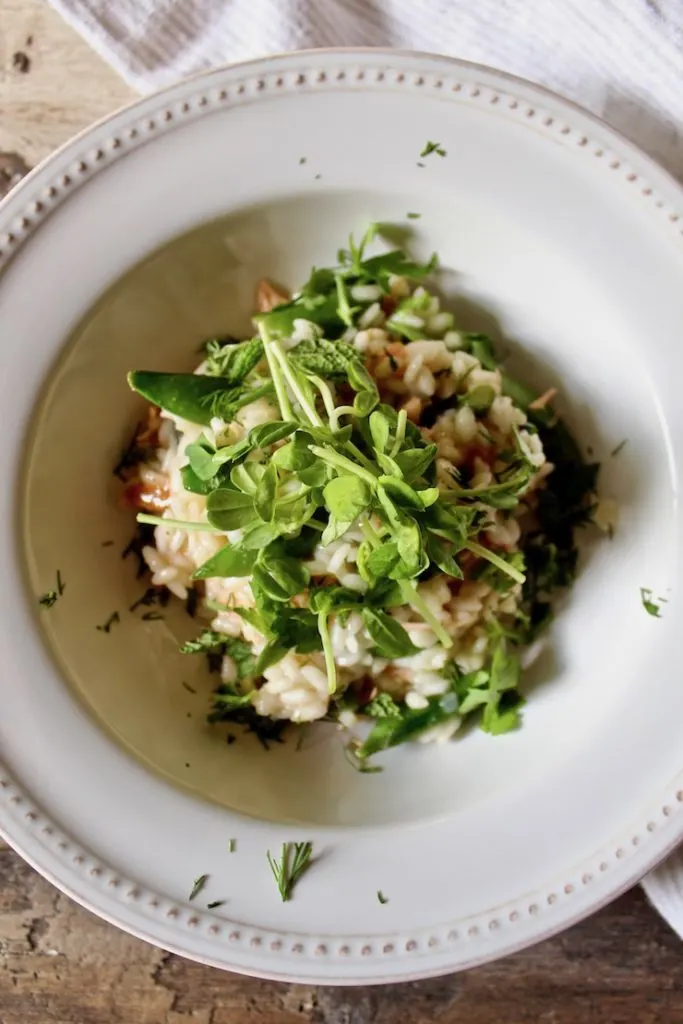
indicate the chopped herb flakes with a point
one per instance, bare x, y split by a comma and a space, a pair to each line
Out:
215, 903
650, 604
111, 621
295, 859
197, 886
190, 689
232, 845
381, 897
433, 147
107, 543
153, 595
50, 597
413, 216
620, 447
152, 617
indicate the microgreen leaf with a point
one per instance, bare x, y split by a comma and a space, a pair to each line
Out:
264, 499
379, 429
231, 560
193, 396
346, 497
414, 462
388, 635
246, 476
229, 509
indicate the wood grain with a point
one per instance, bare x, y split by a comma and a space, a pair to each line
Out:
61, 965
58, 963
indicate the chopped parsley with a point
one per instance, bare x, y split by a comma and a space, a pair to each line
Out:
295, 859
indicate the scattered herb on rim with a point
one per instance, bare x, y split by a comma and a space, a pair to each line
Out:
381, 897
51, 596
295, 859
215, 903
232, 844
112, 620
151, 617
190, 689
433, 147
197, 886
619, 447
413, 216
650, 605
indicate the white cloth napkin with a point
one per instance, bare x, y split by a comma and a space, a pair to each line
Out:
623, 59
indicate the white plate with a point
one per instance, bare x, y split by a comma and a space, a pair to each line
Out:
553, 226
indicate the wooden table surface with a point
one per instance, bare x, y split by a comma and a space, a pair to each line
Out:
61, 965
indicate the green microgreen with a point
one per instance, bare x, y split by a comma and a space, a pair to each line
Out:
336, 458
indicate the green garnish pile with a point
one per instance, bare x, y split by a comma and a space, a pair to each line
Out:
339, 457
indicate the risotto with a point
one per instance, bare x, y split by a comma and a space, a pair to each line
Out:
369, 513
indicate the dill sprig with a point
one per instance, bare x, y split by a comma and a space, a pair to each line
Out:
295, 858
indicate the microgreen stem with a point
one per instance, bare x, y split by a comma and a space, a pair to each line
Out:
341, 410
370, 533
328, 400
401, 422
295, 386
411, 597
369, 465
175, 524
330, 667
500, 563
343, 307
341, 462
280, 389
